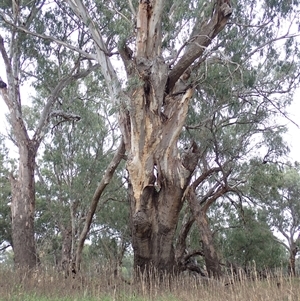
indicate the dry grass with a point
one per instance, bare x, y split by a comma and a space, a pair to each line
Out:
48, 285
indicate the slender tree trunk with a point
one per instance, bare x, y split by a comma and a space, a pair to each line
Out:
212, 260
109, 172
23, 209
23, 188
292, 260
211, 257
66, 252
181, 246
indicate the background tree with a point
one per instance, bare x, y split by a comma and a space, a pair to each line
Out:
5, 199
278, 189
69, 171
19, 52
248, 243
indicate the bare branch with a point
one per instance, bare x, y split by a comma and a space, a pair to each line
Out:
119, 13
4, 248
107, 69
204, 176
132, 8
286, 36
65, 115
278, 109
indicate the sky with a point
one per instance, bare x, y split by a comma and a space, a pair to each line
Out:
292, 137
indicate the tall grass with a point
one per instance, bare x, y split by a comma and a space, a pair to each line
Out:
46, 285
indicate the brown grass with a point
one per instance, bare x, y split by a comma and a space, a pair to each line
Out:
49, 285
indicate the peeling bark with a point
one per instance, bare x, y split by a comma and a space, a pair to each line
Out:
158, 175
152, 116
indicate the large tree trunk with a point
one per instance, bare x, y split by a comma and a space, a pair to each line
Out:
158, 176
158, 181
23, 209
153, 111
153, 228
158, 108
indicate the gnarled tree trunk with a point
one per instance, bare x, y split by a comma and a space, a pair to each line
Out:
152, 116
158, 179
158, 108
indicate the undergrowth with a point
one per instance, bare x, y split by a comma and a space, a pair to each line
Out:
48, 285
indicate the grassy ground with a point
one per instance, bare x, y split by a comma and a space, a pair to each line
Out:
46, 286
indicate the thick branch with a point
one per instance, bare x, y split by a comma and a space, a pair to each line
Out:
154, 30
202, 36
213, 198
96, 197
204, 175
5, 56
107, 69
13, 96
10, 95
65, 115
149, 28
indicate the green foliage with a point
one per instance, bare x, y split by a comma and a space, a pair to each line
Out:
75, 157
5, 197
278, 191
248, 241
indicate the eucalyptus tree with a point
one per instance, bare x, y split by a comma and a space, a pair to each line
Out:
74, 157
5, 199
248, 243
160, 58
181, 58
278, 191
26, 60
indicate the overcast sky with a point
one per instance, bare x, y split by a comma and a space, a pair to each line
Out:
292, 137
